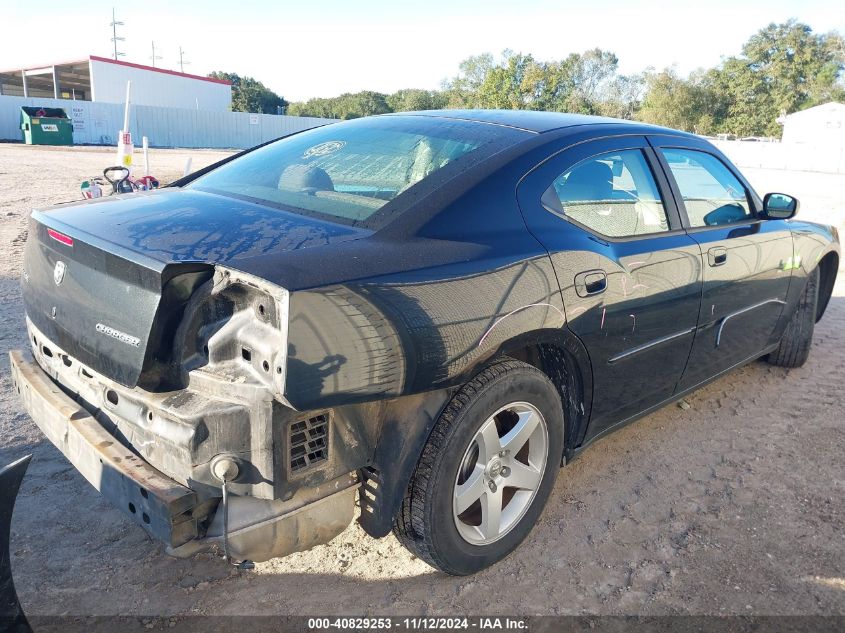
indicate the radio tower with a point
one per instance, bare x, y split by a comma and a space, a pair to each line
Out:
114, 24
182, 62
154, 57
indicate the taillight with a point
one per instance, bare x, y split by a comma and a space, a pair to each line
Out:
60, 237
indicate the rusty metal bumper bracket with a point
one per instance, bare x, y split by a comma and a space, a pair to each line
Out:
167, 510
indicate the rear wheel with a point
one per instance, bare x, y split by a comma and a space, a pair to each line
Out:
486, 471
795, 344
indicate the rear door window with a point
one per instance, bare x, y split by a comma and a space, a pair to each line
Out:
613, 194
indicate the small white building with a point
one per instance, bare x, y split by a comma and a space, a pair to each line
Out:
820, 125
104, 80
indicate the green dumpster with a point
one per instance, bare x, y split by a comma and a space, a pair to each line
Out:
46, 126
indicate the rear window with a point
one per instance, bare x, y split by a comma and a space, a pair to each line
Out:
347, 172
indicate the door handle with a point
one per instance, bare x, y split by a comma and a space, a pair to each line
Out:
590, 282
717, 255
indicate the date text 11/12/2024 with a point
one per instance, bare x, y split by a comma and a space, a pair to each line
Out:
419, 623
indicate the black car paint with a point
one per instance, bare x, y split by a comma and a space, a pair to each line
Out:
404, 315
748, 286
653, 288
144, 241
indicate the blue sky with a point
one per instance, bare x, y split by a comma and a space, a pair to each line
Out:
322, 48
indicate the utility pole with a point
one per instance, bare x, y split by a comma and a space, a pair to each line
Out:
182, 62
154, 57
114, 24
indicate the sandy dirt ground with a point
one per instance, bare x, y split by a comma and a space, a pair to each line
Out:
733, 506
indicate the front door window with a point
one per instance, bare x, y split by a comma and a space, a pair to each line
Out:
712, 194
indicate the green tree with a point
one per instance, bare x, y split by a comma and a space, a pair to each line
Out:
622, 96
346, 106
783, 68
692, 104
365, 103
519, 81
591, 71
508, 85
250, 95
324, 108
414, 99
462, 90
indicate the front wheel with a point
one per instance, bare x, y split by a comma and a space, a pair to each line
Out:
486, 471
794, 347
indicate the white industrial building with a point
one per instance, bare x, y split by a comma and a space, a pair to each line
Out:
821, 125
101, 79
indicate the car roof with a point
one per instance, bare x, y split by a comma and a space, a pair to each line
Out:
529, 120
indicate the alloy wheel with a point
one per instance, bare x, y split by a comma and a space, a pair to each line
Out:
500, 473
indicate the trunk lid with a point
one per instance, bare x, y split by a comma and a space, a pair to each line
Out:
102, 277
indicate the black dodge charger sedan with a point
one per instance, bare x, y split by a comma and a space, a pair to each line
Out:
430, 312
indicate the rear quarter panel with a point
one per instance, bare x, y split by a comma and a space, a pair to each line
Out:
413, 332
464, 283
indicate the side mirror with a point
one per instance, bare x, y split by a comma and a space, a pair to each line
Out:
779, 206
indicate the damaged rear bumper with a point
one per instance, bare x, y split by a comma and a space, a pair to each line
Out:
167, 510
182, 519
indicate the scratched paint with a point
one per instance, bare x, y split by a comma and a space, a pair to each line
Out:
512, 312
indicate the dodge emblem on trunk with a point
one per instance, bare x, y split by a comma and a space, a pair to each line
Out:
123, 337
59, 272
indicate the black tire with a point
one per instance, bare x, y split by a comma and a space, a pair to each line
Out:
796, 341
425, 523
